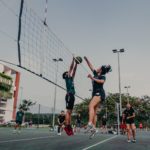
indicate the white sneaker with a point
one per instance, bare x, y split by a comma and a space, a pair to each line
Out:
59, 134
89, 128
134, 140
129, 141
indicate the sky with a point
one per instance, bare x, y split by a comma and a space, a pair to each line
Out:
92, 28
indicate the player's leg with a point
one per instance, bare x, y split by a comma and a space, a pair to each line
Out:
93, 130
15, 127
92, 109
19, 126
69, 106
68, 117
133, 128
68, 122
59, 128
95, 115
128, 133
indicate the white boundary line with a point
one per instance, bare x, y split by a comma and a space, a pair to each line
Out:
99, 143
45, 137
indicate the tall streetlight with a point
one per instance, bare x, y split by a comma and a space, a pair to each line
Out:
127, 87
118, 52
55, 92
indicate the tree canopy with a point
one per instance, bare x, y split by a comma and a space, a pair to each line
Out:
108, 108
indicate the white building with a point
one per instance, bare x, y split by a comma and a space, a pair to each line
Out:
8, 96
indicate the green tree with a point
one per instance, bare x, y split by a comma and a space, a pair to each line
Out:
141, 106
83, 109
25, 106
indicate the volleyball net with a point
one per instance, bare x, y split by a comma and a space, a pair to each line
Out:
44, 54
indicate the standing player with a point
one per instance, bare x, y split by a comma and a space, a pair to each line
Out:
68, 76
61, 122
140, 126
19, 119
129, 117
98, 93
123, 124
78, 122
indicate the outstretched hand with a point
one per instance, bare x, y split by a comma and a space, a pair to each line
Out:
85, 58
90, 76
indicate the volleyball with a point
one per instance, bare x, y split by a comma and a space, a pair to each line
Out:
78, 59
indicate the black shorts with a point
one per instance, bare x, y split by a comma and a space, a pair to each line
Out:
69, 101
99, 93
18, 122
129, 121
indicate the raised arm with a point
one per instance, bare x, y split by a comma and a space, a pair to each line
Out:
89, 64
71, 67
74, 70
100, 81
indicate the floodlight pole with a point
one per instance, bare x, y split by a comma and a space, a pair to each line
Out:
119, 78
55, 91
127, 87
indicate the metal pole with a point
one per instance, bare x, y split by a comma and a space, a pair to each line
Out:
127, 87
118, 119
19, 31
39, 115
120, 101
127, 95
55, 94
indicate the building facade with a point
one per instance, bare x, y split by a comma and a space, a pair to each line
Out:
9, 87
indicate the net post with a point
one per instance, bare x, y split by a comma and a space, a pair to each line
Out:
19, 31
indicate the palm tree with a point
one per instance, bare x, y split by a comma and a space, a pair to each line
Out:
25, 105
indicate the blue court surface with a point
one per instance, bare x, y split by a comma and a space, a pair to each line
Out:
43, 139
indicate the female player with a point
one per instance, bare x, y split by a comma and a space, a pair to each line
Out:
98, 93
129, 117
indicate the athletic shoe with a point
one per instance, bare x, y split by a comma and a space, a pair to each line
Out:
71, 131
59, 134
134, 140
89, 128
129, 141
68, 130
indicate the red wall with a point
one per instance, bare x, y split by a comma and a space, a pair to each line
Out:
16, 95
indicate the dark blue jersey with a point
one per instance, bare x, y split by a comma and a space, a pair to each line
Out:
70, 85
19, 116
98, 87
128, 113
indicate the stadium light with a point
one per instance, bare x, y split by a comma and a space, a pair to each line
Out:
55, 91
118, 52
127, 87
